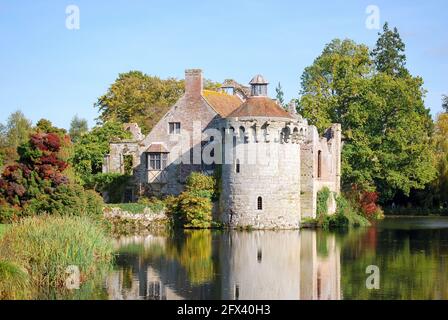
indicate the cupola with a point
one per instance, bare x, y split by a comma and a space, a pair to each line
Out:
259, 86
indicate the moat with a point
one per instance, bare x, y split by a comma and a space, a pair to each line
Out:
410, 253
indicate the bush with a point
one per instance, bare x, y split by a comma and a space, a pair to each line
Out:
45, 246
346, 215
70, 200
201, 184
322, 202
195, 210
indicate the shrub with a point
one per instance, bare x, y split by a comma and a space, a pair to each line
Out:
346, 215
70, 200
195, 210
193, 207
322, 202
45, 246
201, 184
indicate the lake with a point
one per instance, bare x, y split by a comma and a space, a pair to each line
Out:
408, 257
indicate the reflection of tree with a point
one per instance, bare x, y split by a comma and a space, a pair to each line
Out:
409, 267
194, 252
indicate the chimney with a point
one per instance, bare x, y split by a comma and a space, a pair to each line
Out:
193, 83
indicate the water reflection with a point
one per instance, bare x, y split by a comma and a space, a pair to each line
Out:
227, 265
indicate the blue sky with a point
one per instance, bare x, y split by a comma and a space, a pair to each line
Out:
48, 71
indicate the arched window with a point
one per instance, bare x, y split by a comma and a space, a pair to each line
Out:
260, 203
319, 164
238, 166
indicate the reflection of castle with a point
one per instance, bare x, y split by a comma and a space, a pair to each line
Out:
286, 265
252, 265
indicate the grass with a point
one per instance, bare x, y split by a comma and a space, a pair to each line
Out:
3, 228
36, 252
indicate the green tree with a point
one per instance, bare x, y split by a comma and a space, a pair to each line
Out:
389, 54
280, 95
16, 132
46, 126
137, 97
333, 83
78, 127
441, 146
91, 148
385, 124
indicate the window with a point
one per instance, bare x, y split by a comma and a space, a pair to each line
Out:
238, 166
319, 164
174, 127
260, 203
157, 161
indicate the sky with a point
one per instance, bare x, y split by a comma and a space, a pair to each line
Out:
49, 70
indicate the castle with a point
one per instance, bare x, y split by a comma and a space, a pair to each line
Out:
272, 162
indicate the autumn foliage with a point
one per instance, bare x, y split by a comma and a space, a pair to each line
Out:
37, 183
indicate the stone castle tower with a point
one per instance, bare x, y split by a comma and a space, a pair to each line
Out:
261, 182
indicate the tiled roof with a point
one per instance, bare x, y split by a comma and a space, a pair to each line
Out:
222, 103
157, 148
260, 107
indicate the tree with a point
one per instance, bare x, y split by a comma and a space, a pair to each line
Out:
91, 148
16, 132
389, 54
445, 103
78, 127
46, 126
280, 95
441, 146
137, 97
37, 183
385, 124
333, 83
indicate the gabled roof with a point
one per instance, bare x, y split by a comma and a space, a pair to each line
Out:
157, 148
221, 102
260, 107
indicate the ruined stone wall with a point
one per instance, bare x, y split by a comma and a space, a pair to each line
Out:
329, 147
114, 161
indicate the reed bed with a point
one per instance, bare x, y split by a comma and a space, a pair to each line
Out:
36, 252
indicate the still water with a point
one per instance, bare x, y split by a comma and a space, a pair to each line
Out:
410, 253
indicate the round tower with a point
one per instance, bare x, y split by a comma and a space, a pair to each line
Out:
261, 163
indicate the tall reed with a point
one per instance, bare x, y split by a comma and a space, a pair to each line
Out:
44, 247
